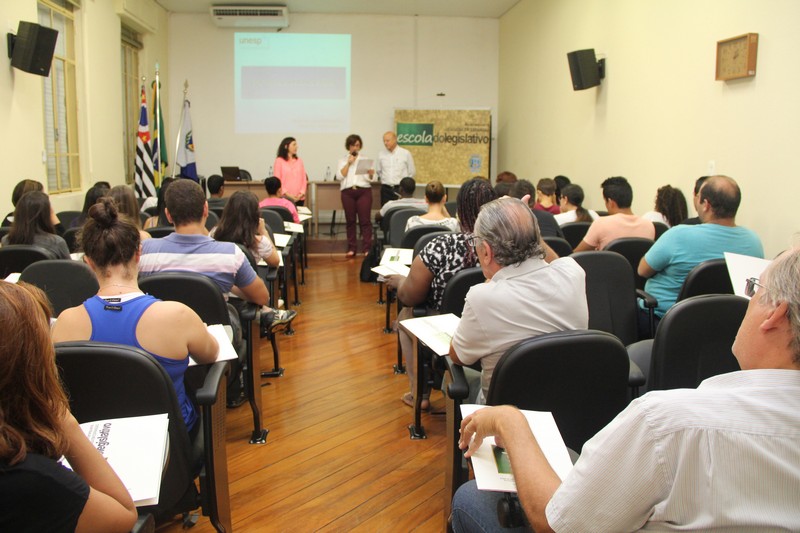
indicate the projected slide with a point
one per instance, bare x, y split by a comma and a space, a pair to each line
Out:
292, 83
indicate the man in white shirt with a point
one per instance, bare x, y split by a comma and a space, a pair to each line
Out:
394, 163
525, 295
722, 456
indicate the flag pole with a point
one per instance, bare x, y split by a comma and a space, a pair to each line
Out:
157, 105
180, 126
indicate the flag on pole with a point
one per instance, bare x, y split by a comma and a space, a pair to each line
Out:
143, 175
159, 149
185, 157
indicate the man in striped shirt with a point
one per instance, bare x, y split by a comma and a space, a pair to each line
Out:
722, 456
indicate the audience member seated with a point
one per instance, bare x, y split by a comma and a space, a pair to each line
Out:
670, 207
696, 200
620, 222
33, 224
19, 189
524, 297
216, 189
128, 207
503, 188
275, 197
442, 257
437, 214
94, 193
572, 209
407, 187
241, 223
546, 196
561, 182
190, 249
683, 247
548, 226
160, 218
37, 429
721, 457
505, 177
123, 314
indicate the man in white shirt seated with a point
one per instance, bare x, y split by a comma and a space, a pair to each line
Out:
406, 199
722, 456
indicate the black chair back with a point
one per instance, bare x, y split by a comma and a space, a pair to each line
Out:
397, 225
610, 293
194, 290
457, 287
574, 232
151, 211
67, 283
694, 339
16, 257
708, 277
71, 238
411, 237
273, 220
632, 249
245, 175
212, 220
160, 231
285, 214
68, 217
660, 229
105, 380
4, 231
560, 246
386, 221
452, 208
580, 376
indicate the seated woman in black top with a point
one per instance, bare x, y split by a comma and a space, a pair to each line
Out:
36, 428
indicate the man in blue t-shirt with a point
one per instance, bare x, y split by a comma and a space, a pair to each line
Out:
683, 247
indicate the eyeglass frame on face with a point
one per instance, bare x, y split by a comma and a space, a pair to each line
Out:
473, 240
750, 287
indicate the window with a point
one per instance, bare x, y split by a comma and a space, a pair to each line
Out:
60, 100
131, 97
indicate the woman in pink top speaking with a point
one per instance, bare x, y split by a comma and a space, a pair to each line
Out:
291, 171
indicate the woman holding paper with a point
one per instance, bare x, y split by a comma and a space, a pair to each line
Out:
122, 313
356, 191
36, 429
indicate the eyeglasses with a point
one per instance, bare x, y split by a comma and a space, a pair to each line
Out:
473, 240
750, 287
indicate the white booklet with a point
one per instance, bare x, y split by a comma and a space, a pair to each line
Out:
364, 166
435, 331
281, 239
303, 210
293, 227
742, 267
491, 464
135, 449
390, 269
303, 216
223, 335
404, 256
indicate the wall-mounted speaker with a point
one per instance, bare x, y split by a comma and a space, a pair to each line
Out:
32, 48
584, 68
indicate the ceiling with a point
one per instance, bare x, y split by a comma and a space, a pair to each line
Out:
443, 8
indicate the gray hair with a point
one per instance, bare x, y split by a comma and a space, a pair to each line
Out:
510, 227
781, 285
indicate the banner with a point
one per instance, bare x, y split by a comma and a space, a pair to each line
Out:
451, 146
186, 159
143, 175
159, 149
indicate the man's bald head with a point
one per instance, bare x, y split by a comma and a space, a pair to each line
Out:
390, 140
722, 194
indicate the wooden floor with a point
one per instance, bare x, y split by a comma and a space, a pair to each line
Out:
338, 456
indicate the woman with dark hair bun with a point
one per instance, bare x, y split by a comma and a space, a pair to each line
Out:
445, 255
37, 428
169, 331
291, 171
33, 224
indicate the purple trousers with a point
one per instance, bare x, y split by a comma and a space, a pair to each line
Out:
358, 203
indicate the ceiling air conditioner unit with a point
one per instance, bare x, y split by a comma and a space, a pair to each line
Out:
243, 16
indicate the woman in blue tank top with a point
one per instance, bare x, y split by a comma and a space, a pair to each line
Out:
121, 313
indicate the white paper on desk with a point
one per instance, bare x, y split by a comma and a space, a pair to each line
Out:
223, 335
544, 428
293, 227
742, 267
435, 331
303, 210
364, 166
13, 277
303, 216
392, 269
403, 256
76, 256
281, 239
135, 449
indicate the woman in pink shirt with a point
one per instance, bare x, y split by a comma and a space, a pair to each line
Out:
291, 171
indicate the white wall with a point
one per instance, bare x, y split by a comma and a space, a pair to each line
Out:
99, 89
397, 62
659, 116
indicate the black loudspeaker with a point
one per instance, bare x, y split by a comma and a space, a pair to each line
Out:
585, 70
33, 48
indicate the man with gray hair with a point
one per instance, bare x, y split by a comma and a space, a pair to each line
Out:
723, 456
524, 295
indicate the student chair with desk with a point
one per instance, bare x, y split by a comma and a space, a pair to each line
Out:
16, 257
66, 283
